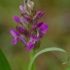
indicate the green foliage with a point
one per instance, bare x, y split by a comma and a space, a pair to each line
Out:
43, 51
68, 68
4, 65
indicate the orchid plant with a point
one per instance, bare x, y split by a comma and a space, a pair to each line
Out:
30, 30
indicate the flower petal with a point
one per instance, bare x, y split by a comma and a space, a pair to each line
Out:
21, 30
27, 18
43, 28
40, 35
30, 46
22, 39
21, 9
32, 41
32, 36
38, 24
14, 33
17, 19
39, 14
14, 41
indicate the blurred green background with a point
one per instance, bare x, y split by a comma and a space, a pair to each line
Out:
57, 16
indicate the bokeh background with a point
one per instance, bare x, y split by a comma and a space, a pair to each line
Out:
57, 16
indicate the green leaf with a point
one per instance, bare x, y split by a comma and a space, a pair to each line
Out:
46, 50
4, 65
68, 68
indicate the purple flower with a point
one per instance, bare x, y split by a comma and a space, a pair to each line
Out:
30, 45
21, 30
38, 15
32, 36
38, 24
32, 41
43, 28
17, 19
27, 18
16, 36
14, 41
40, 35
28, 26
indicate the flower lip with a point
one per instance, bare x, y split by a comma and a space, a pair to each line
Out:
30, 46
17, 36
43, 28
14, 33
32, 41
14, 41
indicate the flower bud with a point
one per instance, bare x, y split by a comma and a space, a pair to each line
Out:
30, 5
38, 24
27, 18
38, 15
21, 30
17, 19
21, 9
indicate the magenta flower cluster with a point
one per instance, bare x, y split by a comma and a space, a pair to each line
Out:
29, 30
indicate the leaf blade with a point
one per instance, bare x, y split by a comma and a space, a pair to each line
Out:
4, 65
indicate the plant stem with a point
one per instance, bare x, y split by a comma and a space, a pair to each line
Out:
32, 53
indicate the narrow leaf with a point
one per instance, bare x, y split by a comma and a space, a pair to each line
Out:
4, 65
46, 50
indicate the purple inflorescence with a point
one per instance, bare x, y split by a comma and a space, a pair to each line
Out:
30, 30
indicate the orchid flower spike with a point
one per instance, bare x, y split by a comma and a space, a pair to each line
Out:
29, 30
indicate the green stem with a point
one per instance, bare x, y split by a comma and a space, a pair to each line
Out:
32, 53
